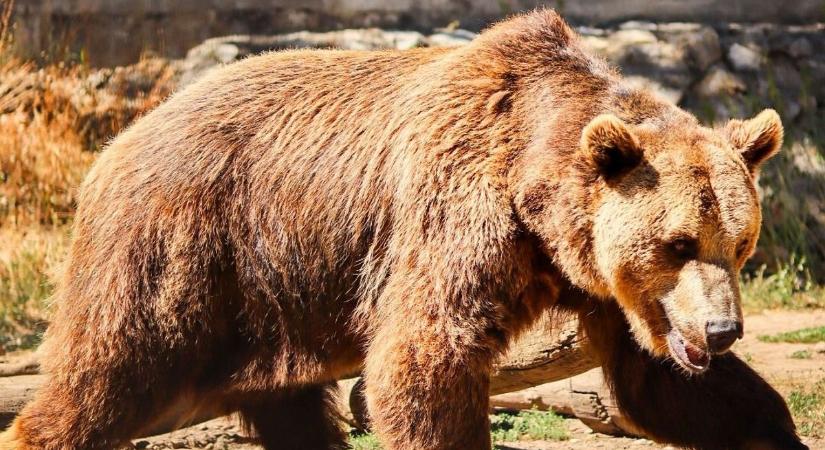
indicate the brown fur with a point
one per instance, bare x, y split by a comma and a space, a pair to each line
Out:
299, 216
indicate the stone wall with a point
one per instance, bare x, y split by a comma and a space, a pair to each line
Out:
115, 32
719, 72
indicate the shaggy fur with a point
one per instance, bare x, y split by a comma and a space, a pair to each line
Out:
299, 216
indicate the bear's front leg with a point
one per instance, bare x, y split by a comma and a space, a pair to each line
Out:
425, 392
427, 385
728, 407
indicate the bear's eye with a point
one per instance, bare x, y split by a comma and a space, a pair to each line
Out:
742, 248
684, 248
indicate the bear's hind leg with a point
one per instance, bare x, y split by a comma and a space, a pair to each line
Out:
99, 404
89, 411
300, 418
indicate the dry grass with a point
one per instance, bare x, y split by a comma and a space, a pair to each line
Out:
42, 160
53, 119
27, 268
6, 10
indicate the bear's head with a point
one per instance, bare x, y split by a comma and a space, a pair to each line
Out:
660, 215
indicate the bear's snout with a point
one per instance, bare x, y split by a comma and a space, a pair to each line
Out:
721, 334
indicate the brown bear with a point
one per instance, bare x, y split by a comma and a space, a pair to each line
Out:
301, 216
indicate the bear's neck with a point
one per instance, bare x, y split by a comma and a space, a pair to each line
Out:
556, 196
556, 201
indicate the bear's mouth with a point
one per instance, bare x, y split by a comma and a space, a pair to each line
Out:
686, 354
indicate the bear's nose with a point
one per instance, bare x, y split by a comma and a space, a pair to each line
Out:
721, 334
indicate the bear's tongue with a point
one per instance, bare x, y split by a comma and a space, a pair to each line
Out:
690, 355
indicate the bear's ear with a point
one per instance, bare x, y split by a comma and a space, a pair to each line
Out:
610, 147
756, 139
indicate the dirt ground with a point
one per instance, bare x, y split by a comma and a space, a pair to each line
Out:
772, 360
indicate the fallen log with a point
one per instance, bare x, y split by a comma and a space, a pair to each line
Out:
550, 351
584, 396
15, 392
29, 366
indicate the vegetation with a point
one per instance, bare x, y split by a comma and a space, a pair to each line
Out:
504, 427
802, 354
527, 425
53, 120
790, 286
807, 404
26, 274
364, 441
803, 336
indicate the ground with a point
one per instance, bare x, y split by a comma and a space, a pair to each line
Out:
792, 367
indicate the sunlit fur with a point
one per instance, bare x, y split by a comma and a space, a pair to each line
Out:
300, 216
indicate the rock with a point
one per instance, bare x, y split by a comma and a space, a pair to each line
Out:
223, 50
226, 53
405, 40
628, 37
89, 24
212, 53
719, 82
596, 44
450, 38
638, 25
639, 53
701, 47
584, 30
670, 58
744, 58
800, 48
670, 94
788, 83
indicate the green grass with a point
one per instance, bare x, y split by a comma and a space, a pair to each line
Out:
527, 425
803, 336
807, 404
504, 427
790, 286
801, 354
364, 441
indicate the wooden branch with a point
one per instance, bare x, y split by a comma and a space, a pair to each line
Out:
30, 366
551, 350
584, 396
15, 392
